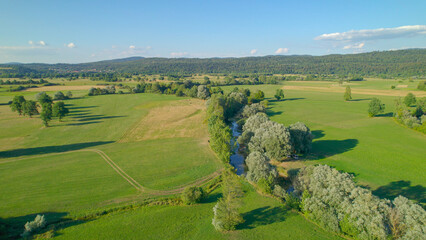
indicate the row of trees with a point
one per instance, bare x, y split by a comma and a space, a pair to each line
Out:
389, 63
48, 109
333, 200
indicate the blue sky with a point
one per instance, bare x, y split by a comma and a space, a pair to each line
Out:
83, 31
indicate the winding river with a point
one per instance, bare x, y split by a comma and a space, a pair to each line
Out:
237, 160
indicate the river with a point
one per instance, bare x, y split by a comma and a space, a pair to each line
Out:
237, 160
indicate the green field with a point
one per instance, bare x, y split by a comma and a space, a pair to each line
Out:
265, 218
116, 150
50, 170
383, 155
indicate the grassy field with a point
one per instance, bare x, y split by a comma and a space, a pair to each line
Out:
264, 219
50, 165
383, 155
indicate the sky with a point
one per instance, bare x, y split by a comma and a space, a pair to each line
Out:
52, 31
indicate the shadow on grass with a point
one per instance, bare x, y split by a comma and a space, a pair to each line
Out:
389, 114
359, 99
262, 216
50, 149
55, 220
404, 188
326, 148
318, 134
214, 197
271, 113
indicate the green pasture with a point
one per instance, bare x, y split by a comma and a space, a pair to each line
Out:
265, 218
382, 154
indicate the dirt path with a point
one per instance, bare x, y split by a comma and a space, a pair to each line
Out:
127, 177
197, 182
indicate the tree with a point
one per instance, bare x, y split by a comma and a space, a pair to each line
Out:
279, 94
301, 137
375, 107
59, 110
42, 98
256, 97
46, 113
252, 109
30, 108
226, 216
203, 92
17, 104
259, 167
410, 99
348, 93
192, 195
59, 96
69, 94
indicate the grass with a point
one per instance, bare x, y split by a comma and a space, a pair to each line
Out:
265, 219
378, 151
33, 182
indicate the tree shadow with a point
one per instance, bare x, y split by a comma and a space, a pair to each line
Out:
318, 134
326, 148
271, 113
292, 99
359, 99
55, 220
81, 107
389, 114
212, 198
83, 123
404, 188
262, 216
49, 149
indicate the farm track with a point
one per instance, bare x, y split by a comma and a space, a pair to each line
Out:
127, 177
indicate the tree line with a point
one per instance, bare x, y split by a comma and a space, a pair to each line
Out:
401, 63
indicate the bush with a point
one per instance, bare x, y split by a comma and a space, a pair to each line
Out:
33, 226
375, 107
192, 195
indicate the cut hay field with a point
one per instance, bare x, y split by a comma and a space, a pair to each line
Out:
383, 155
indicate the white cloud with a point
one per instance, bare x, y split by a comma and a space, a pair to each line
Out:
354, 46
132, 47
37, 44
371, 34
281, 51
71, 45
178, 54
253, 51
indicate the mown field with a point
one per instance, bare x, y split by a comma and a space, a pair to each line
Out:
382, 154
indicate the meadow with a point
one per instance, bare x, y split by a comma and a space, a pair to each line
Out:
382, 154
122, 149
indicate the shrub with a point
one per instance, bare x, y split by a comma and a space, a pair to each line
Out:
192, 195
33, 226
410, 99
375, 107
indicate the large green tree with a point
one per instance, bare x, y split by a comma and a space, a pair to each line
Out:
17, 104
30, 108
279, 94
348, 93
226, 214
46, 113
410, 99
59, 110
375, 107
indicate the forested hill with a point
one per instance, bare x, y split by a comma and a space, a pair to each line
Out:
411, 62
